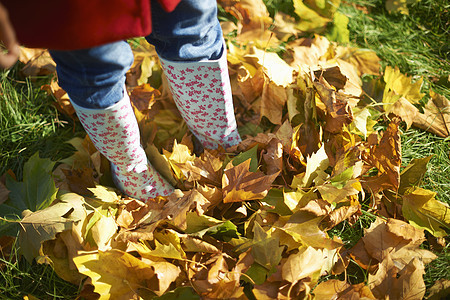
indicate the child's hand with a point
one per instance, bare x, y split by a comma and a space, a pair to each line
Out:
8, 39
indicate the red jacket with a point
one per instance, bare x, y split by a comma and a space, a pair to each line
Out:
78, 24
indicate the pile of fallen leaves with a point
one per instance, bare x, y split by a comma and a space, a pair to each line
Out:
251, 220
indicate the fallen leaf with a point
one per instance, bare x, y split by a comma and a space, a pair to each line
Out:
379, 242
413, 173
339, 31
143, 97
316, 163
44, 224
307, 262
334, 193
216, 280
103, 231
240, 184
398, 86
406, 283
399, 6
405, 110
439, 290
37, 191
436, 116
38, 62
251, 13
336, 289
423, 211
311, 20
108, 270
165, 272
386, 157
366, 61
266, 249
250, 82
4, 193
180, 155
61, 264
273, 99
276, 69
63, 103
306, 51
285, 26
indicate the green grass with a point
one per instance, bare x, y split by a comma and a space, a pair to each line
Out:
417, 43
420, 144
19, 278
29, 123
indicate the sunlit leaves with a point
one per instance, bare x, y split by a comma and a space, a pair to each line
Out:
257, 214
240, 184
36, 191
115, 274
44, 224
423, 211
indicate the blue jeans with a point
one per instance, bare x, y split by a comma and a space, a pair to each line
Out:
95, 77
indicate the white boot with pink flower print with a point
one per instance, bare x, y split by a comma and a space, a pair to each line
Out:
115, 133
202, 93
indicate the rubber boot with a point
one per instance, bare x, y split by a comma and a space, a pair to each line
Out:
115, 133
202, 93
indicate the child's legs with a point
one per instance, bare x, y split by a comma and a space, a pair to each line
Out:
191, 32
94, 77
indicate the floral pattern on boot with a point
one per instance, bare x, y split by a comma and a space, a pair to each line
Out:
115, 133
202, 93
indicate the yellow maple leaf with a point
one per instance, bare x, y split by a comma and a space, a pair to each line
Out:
114, 274
423, 211
399, 85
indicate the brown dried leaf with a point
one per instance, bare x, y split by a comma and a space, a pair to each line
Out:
249, 83
340, 214
276, 69
408, 112
165, 272
205, 170
252, 14
306, 51
366, 61
379, 242
38, 62
405, 283
240, 184
307, 262
285, 26
61, 262
273, 156
194, 244
439, 290
143, 97
216, 281
336, 289
62, 99
386, 157
273, 100
332, 192
80, 180
436, 116
338, 111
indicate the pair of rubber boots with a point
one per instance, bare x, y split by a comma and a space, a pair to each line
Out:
202, 93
